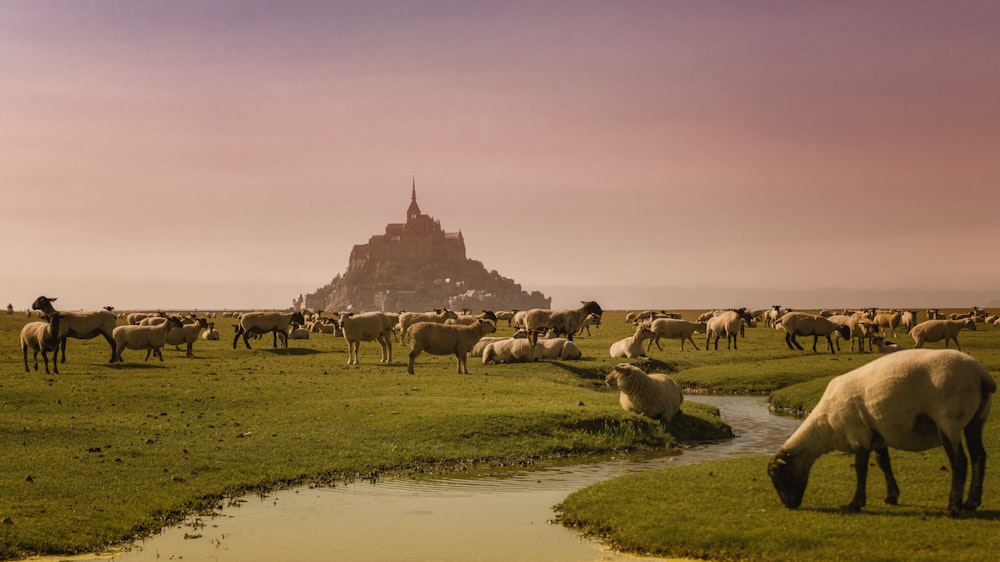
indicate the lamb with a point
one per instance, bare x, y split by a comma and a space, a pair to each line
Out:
888, 321
908, 320
861, 329
911, 400
296, 332
408, 319
587, 321
507, 315
631, 347
885, 346
937, 330
654, 395
442, 339
44, 337
187, 334
558, 348
510, 351
674, 329
368, 326
563, 322
805, 324
81, 325
263, 322
150, 338
211, 333
728, 322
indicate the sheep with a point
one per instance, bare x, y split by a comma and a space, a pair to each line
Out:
771, 315
563, 322
653, 395
558, 348
908, 319
295, 332
861, 329
728, 322
937, 330
587, 321
468, 319
263, 322
408, 319
150, 338
135, 317
443, 339
44, 337
935, 314
674, 329
888, 321
187, 334
477, 350
805, 324
211, 333
81, 325
911, 400
885, 346
510, 350
507, 315
368, 326
631, 347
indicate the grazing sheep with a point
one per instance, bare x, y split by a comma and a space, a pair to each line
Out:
911, 400
728, 322
888, 321
507, 315
408, 319
44, 337
187, 334
443, 339
259, 323
653, 395
558, 348
631, 347
150, 338
587, 321
937, 330
908, 319
80, 325
211, 333
510, 351
862, 329
368, 326
562, 322
805, 324
674, 329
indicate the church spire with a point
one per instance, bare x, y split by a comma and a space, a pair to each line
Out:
414, 211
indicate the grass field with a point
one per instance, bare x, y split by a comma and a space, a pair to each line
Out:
100, 453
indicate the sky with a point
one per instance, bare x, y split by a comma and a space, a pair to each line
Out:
229, 154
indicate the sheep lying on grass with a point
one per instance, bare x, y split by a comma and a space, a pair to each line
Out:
654, 395
150, 338
911, 400
804, 324
510, 350
631, 347
44, 337
210, 333
558, 348
80, 325
443, 339
675, 329
257, 323
879, 343
368, 326
937, 330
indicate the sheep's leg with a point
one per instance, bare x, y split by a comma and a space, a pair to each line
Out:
690, 339
974, 441
892, 489
62, 345
111, 343
861, 470
829, 343
24, 348
149, 349
959, 466
409, 364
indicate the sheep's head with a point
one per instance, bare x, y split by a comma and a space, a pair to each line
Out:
970, 324
43, 303
298, 317
789, 478
591, 307
175, 322
620, 373
845, 332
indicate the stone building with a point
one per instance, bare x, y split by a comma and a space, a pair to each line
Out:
416, 265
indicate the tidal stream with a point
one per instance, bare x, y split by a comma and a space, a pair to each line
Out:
442, 519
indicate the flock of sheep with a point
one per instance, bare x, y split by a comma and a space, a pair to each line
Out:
909, 399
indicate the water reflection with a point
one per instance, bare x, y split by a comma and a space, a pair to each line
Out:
492, 518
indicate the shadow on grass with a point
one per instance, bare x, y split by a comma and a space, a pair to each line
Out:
293, 351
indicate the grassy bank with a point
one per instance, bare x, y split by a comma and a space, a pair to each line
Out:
729, 510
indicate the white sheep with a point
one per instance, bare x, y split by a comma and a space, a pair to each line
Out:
725, 322
911, 400
469, 319
631, 347
211, 333
908, 319
510, 350
879, 343
937, 330
477, 350
80, 325
558, 348
562, 322
150, 338
367, 326
443, 339
675, 329
296, 332
587, 321
258, 323
861, 329
187, 335
407, 319
654, 395
507, 315
44, 337
889, 321
805, 324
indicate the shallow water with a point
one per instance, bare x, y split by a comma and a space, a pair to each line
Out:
441, 519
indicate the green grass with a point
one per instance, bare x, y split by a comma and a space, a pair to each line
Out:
101, 454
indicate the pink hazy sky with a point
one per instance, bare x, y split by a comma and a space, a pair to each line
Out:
229, 154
